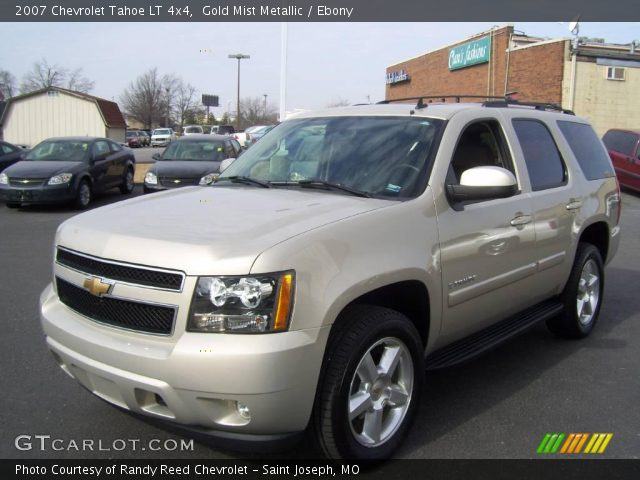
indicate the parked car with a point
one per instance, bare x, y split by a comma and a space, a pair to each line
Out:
145, 138
10, 154
624, 150
133, 139
241, 137
191, 160
222, 130
193, 130
257, 134
68, 169
162, 137
308, 287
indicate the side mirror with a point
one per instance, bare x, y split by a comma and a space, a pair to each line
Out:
156, 156
225, 163
483, 183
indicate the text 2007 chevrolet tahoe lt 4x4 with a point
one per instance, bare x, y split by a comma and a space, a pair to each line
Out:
307, 287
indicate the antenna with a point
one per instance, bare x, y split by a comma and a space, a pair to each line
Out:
574, 26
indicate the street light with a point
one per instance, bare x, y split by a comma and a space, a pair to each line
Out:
265, 105
238, 56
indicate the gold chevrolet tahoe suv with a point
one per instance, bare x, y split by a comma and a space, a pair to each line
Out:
309, 287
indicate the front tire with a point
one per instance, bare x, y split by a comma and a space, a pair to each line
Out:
582, 295
83, 195
370, 386
127, 183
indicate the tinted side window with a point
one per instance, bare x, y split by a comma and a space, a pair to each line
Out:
544, 163
115, 147
622, 142
587, 149
100, 148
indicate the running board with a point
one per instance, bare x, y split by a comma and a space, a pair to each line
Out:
492, 336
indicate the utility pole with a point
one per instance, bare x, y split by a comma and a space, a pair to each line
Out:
265, 106
238, 56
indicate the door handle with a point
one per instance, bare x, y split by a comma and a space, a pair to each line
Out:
574, 204
520, 220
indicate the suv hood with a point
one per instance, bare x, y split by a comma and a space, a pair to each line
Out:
206, 230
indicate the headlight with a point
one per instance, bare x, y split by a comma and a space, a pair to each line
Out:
151, 178
251, 304
60, 179
4, 180
207, 179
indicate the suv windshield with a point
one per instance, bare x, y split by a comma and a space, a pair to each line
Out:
162, 131
207, 150
65, 150
193, 130
378, 156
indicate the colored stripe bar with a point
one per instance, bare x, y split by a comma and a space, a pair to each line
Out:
599, 440
606, 442
554, 449
543, 443
565, 447
582, 440
594, 437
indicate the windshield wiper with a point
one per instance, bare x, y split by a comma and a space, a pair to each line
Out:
332, 186
246, 180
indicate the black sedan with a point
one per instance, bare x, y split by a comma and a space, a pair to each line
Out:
70, 169
10, 154
191, 160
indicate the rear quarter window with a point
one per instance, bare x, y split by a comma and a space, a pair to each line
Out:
587, 148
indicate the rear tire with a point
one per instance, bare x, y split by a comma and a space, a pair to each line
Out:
127, 183
370, 385
582, 295
83, 195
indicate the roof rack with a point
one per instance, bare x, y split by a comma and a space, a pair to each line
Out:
506, 102
444, 98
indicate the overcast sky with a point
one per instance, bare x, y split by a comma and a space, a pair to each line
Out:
326, 61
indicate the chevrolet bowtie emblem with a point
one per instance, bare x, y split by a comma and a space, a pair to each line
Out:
177, 180
97, 286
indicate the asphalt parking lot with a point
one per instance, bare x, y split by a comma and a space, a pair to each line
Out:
497, 406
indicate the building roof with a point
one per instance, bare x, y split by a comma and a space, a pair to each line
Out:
109, 110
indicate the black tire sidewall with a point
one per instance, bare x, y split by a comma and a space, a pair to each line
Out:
571, 320
78, 201
402, 329
124, 188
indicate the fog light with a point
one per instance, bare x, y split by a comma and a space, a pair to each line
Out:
244, 411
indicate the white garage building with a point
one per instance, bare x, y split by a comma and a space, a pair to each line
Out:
57, 112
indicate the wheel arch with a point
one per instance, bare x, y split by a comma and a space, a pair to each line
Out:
597, 234
408, 297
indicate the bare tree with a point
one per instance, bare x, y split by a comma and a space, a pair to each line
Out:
149, 98
7, 85
254, 112
185, 101
77, 81
338, 102
44, 75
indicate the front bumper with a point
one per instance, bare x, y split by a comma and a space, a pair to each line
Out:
192, 379
160, 142
42, 194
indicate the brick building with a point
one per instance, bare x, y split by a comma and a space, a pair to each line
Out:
598, 81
